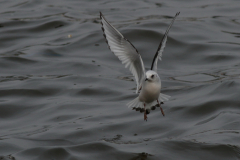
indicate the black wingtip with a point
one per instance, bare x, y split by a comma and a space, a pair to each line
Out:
100, 14
177, 13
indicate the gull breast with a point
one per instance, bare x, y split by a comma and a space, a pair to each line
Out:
150, 92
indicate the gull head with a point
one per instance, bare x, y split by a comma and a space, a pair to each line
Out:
152, 76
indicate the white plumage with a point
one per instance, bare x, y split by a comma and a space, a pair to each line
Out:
149, 83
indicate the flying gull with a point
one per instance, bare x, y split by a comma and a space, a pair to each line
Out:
148, 83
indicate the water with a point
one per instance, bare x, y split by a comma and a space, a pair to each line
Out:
63, 94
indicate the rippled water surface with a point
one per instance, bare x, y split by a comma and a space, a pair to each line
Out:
63, 94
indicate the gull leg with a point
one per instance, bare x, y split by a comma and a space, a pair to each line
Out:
160, 108
145, 115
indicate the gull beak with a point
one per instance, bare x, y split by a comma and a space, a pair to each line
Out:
146, 79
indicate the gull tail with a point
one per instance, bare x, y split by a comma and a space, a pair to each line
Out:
164, 97
135, 103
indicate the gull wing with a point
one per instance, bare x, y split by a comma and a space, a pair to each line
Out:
161, 47
124, 50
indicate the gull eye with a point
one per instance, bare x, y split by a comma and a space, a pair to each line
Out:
152, 76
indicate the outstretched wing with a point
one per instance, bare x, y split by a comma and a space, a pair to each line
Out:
161, 46
124, 50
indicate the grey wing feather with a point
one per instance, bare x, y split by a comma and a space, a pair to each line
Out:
164, 97
161, 46
124, 50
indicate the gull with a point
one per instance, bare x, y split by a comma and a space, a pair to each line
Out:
148, 83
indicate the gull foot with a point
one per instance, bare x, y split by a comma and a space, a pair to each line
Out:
161, 108
145, 117
162, 111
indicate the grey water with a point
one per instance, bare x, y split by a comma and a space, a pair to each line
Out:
63, 94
